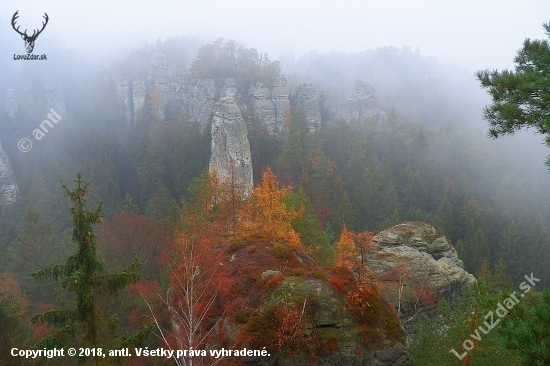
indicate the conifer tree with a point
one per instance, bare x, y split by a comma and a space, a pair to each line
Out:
520, 98
82, 275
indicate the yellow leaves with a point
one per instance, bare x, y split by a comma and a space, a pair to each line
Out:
266, 214
346, 250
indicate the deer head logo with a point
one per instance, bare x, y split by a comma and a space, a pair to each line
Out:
29, 40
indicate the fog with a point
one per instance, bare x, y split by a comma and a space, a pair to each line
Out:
473, 34
253, 133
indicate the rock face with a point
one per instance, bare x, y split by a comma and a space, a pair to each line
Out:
198, 100
306, 99
271, 105
421, 258
138, 95
231, 157
124, 92
8, 185
332, 315
360, 105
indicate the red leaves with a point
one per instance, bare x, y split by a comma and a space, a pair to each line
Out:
365, 303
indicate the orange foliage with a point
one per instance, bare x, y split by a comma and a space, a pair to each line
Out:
365, 303
266, 215
346, 250
351, 248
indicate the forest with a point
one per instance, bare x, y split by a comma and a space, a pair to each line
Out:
122, 237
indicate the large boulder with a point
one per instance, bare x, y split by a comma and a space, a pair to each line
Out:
416, 265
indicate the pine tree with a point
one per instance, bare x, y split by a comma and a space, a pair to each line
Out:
520, 98
345, 214
525, 330
82, 275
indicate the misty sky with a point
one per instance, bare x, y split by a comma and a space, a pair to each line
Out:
475, 34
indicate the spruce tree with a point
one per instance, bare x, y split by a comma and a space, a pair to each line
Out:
82, 275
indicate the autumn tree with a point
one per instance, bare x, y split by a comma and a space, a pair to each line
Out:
198, 276
82, 275
267, 215
346, 250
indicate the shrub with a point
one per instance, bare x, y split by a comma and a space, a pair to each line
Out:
281, 251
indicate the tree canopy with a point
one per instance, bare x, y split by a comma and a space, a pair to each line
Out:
521, 98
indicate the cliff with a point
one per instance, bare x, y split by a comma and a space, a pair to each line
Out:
8, 185
230, 157
271, 105
307, 100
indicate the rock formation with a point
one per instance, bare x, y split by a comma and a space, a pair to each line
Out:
360, 105
306, 99
271, 105
8, 185
198, 100
138, 94
420, 258
124, 92
231, 158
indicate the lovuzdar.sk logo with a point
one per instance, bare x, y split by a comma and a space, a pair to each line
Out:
29, 40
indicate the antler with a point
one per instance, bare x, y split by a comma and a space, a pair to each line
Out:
43, 26
15, 16
34, 34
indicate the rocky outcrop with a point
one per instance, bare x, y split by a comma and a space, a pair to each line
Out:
360, 105
11, 104
421, 259
138, 94
124, 92
306, 99
231, 158
271, 105
332, 314
198, 100
8, 185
